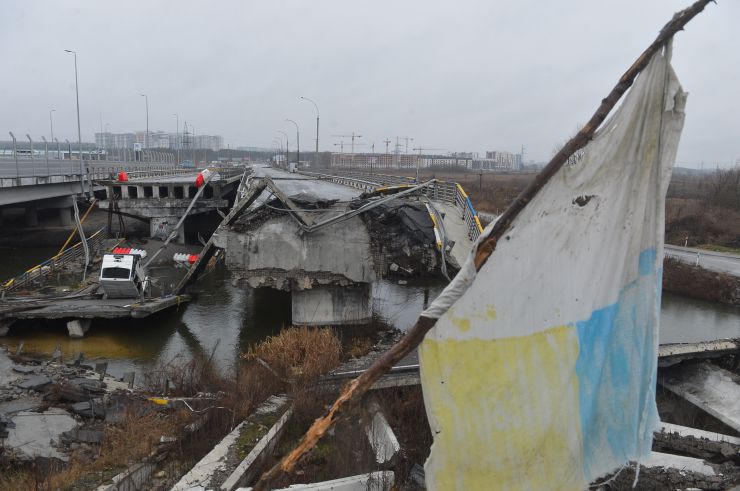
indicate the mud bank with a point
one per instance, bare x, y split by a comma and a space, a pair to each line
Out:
696, 282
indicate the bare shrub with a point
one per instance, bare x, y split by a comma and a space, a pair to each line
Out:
299, 354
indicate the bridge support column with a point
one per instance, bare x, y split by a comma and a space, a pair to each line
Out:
32, 216
332, 305
78, 328
160, 228
65, 217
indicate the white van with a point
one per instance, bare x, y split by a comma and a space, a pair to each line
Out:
121, 276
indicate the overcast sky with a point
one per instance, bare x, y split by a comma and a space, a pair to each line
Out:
463, 75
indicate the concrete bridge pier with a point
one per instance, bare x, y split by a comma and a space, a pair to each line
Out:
77, 328
32, 216
332, 305
161, 227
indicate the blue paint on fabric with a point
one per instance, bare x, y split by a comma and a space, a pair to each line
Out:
616, 370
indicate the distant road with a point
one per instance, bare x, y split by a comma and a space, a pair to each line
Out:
716, 261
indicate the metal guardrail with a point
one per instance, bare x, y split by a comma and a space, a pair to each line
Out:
40, 168
450, 192
52, 264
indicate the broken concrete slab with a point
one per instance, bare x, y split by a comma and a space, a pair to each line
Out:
373, 481
202, 473
90, 409
34, 432
82, 435
27, 403
248, 468
134, 478
25, 369
707, 386
671, 354
36, 382
669, 461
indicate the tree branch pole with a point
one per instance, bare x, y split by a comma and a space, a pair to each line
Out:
353, 391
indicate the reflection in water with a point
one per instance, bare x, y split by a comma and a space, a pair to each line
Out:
687, 320
224, 319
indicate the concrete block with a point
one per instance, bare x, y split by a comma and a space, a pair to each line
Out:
380, 435
332, 305
78, 328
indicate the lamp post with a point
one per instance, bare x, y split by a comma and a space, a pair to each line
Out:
59, 151
46, 151
146, 136
287, 146
177, 136
15, 156
77, 95
31, 152
79, 131
317, 126
297, 142
51, 124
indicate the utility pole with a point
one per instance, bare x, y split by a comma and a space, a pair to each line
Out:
407, 143
177, 136
387, 142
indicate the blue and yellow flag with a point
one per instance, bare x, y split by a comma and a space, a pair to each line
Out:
541, 371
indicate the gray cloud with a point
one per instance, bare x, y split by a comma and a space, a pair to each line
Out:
463, 75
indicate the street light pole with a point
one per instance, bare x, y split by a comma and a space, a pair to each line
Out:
177, 136
31, 152
46, 151
77, 95
79, 131
51, 124
146, 136
297, 142
287, 147
317, 126
15, 156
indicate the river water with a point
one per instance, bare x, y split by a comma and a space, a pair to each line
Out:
224, 319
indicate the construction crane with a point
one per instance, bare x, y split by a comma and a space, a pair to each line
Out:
387, 142
418, 159
406, 139
352, 136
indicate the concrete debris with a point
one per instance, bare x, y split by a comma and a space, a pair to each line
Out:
24, 369
34, 433
35, 383
90, 409
707, 386
82, 435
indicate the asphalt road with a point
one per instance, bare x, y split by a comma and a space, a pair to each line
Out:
291, 184
716, 261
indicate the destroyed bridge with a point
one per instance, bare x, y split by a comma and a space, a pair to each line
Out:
326, 238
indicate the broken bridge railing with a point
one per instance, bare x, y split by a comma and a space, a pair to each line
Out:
446, 191
71, 254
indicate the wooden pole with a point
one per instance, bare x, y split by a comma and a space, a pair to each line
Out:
355, 389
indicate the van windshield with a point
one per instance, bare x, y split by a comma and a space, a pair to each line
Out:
116, 273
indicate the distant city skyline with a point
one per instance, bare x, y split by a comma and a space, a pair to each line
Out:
465, 76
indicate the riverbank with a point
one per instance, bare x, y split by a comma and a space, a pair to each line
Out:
694, 281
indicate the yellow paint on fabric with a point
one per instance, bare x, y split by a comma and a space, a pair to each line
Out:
504, 412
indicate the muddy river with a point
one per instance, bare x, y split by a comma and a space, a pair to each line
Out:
224, 319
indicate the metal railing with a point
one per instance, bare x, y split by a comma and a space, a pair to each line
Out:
449, 192
52, 264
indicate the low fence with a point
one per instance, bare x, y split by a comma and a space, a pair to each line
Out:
71, 254
449, 192
42, 168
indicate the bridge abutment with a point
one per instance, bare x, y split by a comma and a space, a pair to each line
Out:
332, 305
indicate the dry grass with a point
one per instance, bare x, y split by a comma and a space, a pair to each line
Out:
359, 347
298, 355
